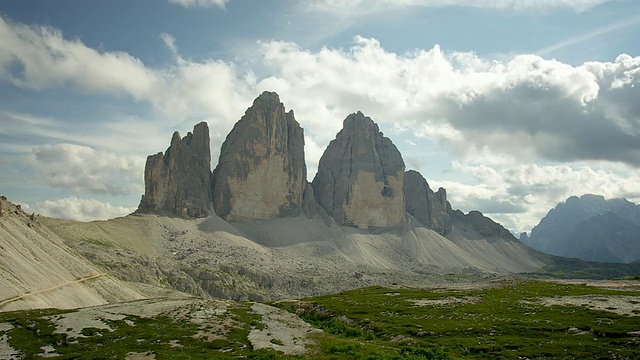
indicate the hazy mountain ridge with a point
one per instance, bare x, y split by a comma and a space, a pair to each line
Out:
590, 228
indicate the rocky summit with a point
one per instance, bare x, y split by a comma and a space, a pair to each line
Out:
261, 173
590, 228
431, 209
360, 177
178, 182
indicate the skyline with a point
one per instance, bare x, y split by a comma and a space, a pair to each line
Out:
511, 106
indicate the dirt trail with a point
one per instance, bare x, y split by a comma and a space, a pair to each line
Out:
16, 298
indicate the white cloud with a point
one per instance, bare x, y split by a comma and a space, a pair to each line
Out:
170, 42
528, 103
83, 169
497, 115
80, 209
39, 57
200, 3
524, 193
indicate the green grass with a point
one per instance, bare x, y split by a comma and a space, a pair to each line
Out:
504, 321
564, 268
501, 322
98, 242
35, 329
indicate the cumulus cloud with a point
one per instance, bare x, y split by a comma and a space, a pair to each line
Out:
523, 193
83, 169
80, 209
200, 3
527, 106
39, 57
468, 103
498, 116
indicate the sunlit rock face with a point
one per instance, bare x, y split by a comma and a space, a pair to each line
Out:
261, 173
360, 176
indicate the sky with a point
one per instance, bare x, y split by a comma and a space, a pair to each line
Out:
511, 105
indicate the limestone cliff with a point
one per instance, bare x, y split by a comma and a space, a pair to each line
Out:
360, 176
431, 209
488, 229
261, 173
179, 181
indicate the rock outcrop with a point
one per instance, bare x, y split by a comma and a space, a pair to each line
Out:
261, 173
431, 209
179, 181
484, 226
360, 177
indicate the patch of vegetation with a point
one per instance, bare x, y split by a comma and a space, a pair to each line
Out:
32, 330
504, 321
564, 268
276, 342
166, 337
98, 242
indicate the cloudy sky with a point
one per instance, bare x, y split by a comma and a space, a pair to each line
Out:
511, 105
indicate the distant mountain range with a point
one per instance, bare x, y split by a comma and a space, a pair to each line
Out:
590, 228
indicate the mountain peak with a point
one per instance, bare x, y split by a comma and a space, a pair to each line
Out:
178, 182
360, 176
578, 226
261, 173
429, 208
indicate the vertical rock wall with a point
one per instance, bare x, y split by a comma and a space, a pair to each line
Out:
261, 173
431, 209
360, 176
179, 181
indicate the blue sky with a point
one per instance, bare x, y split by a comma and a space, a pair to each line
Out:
511, 105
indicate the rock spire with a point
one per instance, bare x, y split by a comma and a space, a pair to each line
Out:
360, 176
178, 182
261, 173
431, 209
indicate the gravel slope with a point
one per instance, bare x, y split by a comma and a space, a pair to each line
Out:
38, 270
282, 258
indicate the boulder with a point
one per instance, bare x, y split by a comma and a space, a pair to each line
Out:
178, 182
360, 177
261, 173
431, 209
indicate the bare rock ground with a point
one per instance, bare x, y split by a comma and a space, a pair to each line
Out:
282, 258
279, 329
6, 351
283, 331
619, 304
